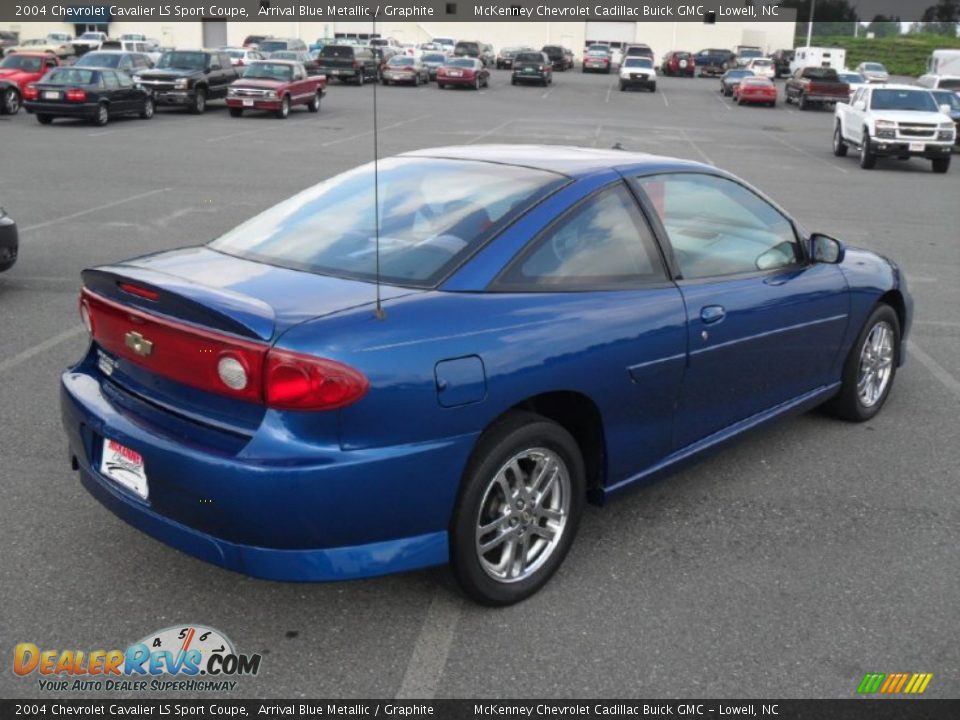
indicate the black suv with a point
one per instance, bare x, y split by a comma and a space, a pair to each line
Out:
560, 57
534, 66
189, 78
348, 63
475, 49
781, 62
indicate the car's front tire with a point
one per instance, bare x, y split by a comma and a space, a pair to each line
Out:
199, 104
518, 510
870, 368
839, 146
284, 110
10, 103
868, 160
941, 165
147, 111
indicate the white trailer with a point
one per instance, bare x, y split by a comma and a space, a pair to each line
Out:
944, 62
806, 56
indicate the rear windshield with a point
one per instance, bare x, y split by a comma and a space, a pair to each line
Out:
467, 47
434, 58
401, 60
921, 100
553, 50
460, 62
529, 58
820, 74
71, 76
852, 78
110, 60
337, 51
433, 213
751, 53
22, 62
273, 45
876, 67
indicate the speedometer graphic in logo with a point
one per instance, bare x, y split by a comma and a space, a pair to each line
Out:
179, 640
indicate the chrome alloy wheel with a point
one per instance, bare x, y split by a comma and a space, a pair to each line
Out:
523, 515
876, 364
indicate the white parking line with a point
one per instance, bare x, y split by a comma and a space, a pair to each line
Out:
28, 228
29, 353
804, 152
489, 132
430, 652
370, 132
663, 94
609, 90
696, 147
719, 99
935, 368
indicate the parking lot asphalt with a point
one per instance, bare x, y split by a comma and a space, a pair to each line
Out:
789, 565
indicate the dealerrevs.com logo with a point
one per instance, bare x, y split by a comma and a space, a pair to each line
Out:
180, 658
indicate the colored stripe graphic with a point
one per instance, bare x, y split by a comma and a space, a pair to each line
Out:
894, 683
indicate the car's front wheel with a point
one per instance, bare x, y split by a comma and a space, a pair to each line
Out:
518, 510
941, 165
10, 103
870, 367
868, 160
147, 111
839, 146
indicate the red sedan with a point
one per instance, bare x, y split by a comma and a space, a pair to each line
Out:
463, 71
755, 90
19, 70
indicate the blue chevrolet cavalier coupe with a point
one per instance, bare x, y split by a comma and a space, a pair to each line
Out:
557, 324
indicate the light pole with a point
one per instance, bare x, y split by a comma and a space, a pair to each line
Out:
810, 22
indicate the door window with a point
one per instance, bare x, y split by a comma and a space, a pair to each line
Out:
718, 227
601, 243
110, 80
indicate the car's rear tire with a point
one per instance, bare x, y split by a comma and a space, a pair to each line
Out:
839, 146
236, 112
870, 368
148, 108
518, 509
10, 103
314, 105
868, 160
940, 165
103, 115
44, 119
199, 104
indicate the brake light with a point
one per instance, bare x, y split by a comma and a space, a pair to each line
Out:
357, 65
139, 291
76, 95
302, 382
30, 93
219, 363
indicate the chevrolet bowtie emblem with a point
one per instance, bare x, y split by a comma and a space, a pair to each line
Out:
138, 343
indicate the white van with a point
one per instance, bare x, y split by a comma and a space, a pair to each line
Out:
803, 57
944, 62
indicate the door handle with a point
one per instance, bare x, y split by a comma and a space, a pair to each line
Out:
712, 314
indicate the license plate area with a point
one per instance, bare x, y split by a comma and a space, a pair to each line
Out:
51, 95
248, 103
917, 147
125, 467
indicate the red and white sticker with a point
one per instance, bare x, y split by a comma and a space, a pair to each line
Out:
124, 466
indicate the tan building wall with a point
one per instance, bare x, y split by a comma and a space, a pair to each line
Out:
661, 36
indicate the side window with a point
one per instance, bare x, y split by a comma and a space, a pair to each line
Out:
214, 62
717, 227
603, 242
225, 61
110, 80
124, 80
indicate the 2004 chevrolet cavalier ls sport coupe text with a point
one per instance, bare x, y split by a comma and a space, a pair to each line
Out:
559, 324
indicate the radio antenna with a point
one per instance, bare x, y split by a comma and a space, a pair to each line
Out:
378, 313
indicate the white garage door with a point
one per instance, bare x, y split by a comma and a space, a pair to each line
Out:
214, 33
617, 34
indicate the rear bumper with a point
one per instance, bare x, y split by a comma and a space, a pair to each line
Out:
456, 80
538, 75
84, 110
336, 516
757, 98
823, 98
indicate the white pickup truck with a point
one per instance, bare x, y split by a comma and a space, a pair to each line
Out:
902, 121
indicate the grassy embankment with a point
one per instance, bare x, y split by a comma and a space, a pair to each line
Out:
902, 55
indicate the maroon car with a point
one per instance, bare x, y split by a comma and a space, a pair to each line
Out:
463, 71
678, 62
275, 85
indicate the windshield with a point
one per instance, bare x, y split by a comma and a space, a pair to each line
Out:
69, 76
638, 62
876, 67
947, 97
433, 212
852, 78
182, 60
460, 62
337, 51
888, 99
31, 64
273, 45
109, 60
268, 71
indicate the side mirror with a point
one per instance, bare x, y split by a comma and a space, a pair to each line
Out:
825, 249
860, 105
946, 110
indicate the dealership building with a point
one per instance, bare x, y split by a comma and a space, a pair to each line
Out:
661, 36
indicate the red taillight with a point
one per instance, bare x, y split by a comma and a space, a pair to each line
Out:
142, 292
357, 65
302, 382
219, 363
30, 93
76, 95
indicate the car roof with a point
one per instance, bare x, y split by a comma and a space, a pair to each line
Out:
563, 159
